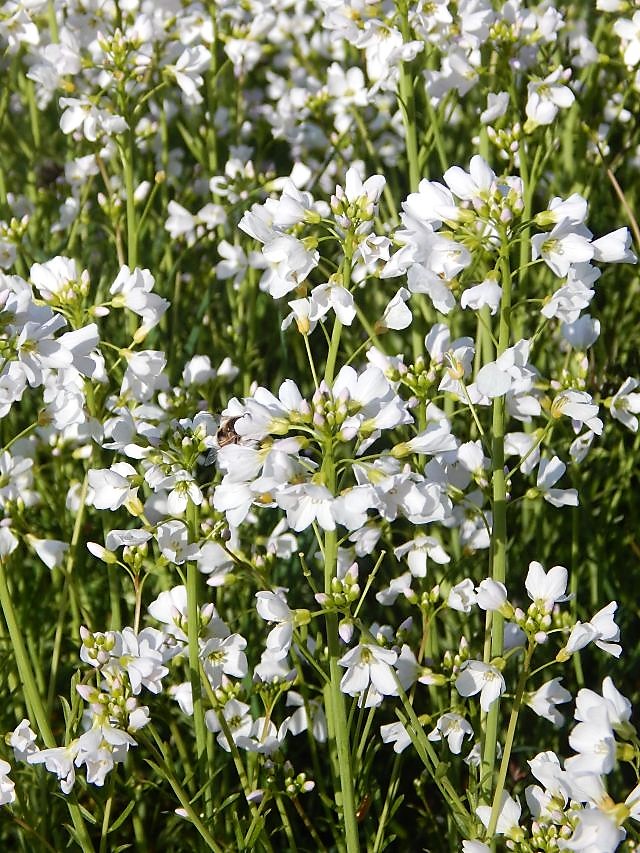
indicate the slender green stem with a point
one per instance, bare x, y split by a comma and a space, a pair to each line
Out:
53, 23
336, 713
407, 103
508, 744
499, 533
235, 754
106, 818
164, 769
394, 782
431, 762
334, 346
330, 368
308, 824
129, 184
68, 594
311, 362
286, 824
336, 709
37, 710
193, 633
35, 705
22, 434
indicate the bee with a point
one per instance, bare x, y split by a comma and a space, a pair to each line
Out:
225, 435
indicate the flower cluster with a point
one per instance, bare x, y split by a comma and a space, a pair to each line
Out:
299, 414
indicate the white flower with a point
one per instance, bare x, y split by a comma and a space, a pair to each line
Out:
478, 677
398, 586
133, 289
595, 832
508, 372
326, 297
224, 656
238, 719
369, 665
397, 315
602, 630
50, 551
491, 595
307, 716
273, 607
81, 113
306, 503
23, 741
566, 244
474, 185
549, 472
418, 550
546, 97
616, 707
57, 280
614, 247
508, 816
111, 487
173, 541
436, 438
289, 263
396, 734
59, 760
625, 404
187, 71
488, 293
355, 190
496, 106
544, 700
629, 33
141, 656
462, 596
7, 792
594, 742
578, 406
454, 728
546, 588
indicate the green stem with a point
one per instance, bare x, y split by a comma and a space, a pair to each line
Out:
336, 707
308, 825
330, 368
212, 95
106, 818
508, 744
286, 824
334, 346
53, 22
389, 800
499, 510
336, 713
164, 769
193, 633
407, 103
67, 595
35, 704
129, 183
430, 760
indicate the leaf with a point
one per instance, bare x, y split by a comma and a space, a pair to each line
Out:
122, 817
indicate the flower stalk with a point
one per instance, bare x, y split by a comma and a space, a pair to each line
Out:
34, 701
193, 634
499, 532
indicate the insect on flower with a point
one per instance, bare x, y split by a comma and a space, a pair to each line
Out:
225, 435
